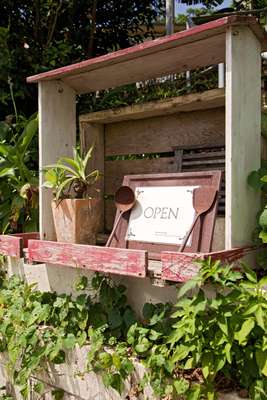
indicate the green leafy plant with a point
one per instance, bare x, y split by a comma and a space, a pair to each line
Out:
18, 175
203, 344
36, 327
257, 180
215, 342
69, 178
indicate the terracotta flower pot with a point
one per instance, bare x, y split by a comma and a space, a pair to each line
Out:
77, 220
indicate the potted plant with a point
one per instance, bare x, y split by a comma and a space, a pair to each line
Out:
76, 213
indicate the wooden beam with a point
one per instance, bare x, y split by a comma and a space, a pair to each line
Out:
95, 258
190, 102
243, 133
57, 137
196, 47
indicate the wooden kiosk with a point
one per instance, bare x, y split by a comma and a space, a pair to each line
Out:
169, 127
196, 120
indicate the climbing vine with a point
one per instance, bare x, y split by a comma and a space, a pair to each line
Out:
199, 346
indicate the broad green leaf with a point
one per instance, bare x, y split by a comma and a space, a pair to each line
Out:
29, 132
65, 168
189, 285
263, 282
114, 318
207, 364
180, 353
250, 274
7, 172
194, 392
245, 330
228, 353
148, 310
261, 358
263, 236
116, 360
70, 341
222, 322
259, 314
62, 187
254, 180
129, 317
189, 363
105, 359
143, 345
181, 385
75, 166
263, 219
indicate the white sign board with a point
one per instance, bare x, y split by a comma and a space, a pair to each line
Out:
162, 214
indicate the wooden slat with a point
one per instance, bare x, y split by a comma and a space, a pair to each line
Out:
110, 211
26, 236
117, 169
102, 259
161, 134
181, 267
213, 98
205, 154
92, 134
11, 246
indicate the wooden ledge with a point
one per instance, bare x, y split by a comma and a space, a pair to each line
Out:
213, 98
180, 267
95, 258
13, 245
174, 266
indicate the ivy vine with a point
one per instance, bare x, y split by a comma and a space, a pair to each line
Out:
192, 349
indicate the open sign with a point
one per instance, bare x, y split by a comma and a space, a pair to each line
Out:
162, 214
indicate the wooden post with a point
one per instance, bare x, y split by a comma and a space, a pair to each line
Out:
243, 115
57, 136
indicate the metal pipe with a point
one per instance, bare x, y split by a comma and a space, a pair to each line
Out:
221, 83
170, 12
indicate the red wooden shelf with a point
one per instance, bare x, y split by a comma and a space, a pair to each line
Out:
95, 258
174, 266
181, 267
13, 245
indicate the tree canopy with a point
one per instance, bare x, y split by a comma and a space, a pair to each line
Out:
37, 35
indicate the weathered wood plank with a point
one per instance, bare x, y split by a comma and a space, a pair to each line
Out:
117, 169
110, 212
243, 133
196, 47
181, 267
26, 236
93, 134
190, 102
95, 258
57, 137
161, 134
11, 246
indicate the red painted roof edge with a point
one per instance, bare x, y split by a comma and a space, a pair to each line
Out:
151, 44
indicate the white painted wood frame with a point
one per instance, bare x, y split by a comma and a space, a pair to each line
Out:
57, 136
242, 132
